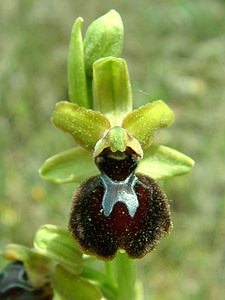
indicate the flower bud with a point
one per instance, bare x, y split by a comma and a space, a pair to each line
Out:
104, 37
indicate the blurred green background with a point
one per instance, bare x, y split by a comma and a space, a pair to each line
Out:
175, 51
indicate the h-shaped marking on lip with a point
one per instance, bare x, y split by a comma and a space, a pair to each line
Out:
119, 191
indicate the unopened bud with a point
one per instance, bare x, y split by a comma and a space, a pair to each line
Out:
104, 37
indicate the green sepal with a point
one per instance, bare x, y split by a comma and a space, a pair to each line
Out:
37, 265
69, 286
74, 165
104, 37
143, 122
161, 162
77, 85
57, 244
85, 125
112, 89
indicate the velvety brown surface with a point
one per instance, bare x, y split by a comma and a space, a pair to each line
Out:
103, 236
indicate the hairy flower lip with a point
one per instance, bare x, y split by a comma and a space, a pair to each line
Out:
103, 236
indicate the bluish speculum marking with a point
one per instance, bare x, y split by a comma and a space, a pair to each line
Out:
119, 191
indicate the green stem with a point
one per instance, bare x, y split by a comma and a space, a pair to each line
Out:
110, 271
126, 276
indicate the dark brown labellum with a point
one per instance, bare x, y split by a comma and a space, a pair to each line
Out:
103, 235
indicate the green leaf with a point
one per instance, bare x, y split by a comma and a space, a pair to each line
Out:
36, 264
111, 88
74, 165
104, 37
160, 162
85, 125
72, 287
77, 85
57, 244
143, 122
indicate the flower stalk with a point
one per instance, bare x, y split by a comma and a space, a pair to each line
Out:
126, 274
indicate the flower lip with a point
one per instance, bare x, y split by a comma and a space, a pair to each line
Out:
102, 236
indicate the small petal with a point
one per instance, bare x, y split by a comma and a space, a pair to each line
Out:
117, 139
143, 122
85, 125
103, 235
160, 162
